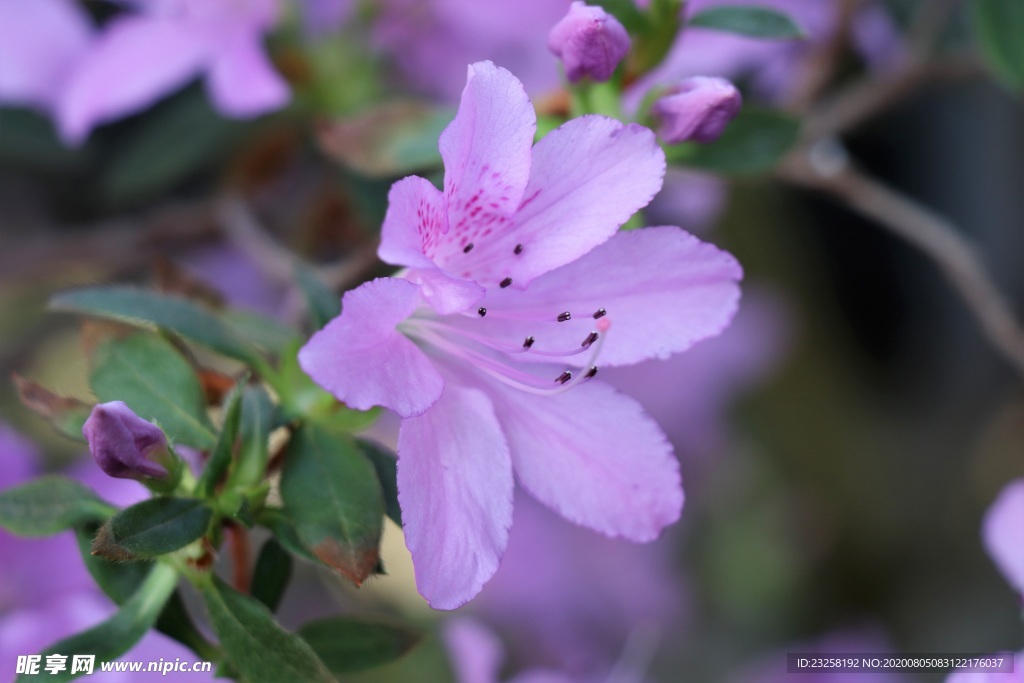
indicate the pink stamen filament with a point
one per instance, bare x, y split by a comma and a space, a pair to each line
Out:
505, 374
497, 346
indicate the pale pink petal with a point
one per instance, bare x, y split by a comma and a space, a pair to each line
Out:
545, 676
486, 152
40, 41
476, 653
588, 177
415, 221
136, 62
444, 293
662, 290
242, 83
361, 359
595, 457
455, 489
1003, 533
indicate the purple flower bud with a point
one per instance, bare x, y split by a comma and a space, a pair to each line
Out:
123, 444
589, 41
699, 109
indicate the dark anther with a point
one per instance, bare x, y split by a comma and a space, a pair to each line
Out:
564, 377
562, 317
591, 338
600, 313
481, 311
468, 248
591, 372
518, 250
529, 342
505, 283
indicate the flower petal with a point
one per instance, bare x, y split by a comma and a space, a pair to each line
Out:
588, 177
1004, 534
595, 457
662, 289
361, 359
40, 41
444, 293
455, 489
415, 220
242, 83
486, 152
136, 62
476, 653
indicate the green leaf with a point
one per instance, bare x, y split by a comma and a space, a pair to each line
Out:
271, 574
663, 21
178, 138
283, 528
999, 28
223, 452
748, 20
257, 646
153, 527
391, 139
349, 644
754, 142
266, 333
28, 140
154, 379
333, 496
386, 466
323, 303
259, 417
67, 415
48, 505
176, 622
115, 636
119, 580
138, 306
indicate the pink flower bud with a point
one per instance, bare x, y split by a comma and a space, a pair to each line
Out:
589, 41
698, 109
123, 444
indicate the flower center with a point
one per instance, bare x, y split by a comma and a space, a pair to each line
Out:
503, 360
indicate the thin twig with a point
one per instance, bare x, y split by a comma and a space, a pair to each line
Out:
861, 101
238, 539
821, 66
927, 27
826, 168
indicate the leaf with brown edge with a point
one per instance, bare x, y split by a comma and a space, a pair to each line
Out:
174, 280
66, 414
334, 499
390, 139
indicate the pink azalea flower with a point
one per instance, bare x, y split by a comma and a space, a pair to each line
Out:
516, 265
40, 41
431, 41
477, 656
1003, 534
142, 57
545, 595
